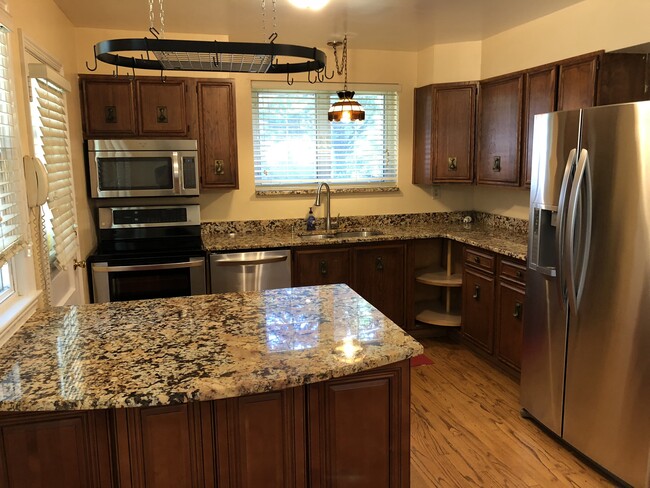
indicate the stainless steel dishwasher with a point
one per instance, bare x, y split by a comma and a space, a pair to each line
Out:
250, 271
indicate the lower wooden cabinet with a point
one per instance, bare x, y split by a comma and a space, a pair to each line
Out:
321, 266
478, 309
352, 431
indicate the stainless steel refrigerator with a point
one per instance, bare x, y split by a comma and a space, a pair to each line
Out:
586, 343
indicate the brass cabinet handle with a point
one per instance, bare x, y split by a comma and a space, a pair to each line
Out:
379, 264
517, 313
452, 163
477, 259
78, 264
323, 267
219, 167
496, 165
519, 274
477, 292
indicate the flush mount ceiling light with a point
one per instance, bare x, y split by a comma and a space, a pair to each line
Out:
184, 55
309, 4
346, 109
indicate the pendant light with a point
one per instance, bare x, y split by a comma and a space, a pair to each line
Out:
346, 109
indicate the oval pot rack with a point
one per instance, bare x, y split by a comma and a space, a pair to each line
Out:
186, 55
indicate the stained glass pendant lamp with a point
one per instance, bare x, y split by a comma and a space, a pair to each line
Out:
346, 109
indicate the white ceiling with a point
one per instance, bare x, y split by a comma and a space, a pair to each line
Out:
408, 25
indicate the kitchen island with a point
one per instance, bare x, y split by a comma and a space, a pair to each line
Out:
291, 387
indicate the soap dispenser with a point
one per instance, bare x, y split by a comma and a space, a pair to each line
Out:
311, 220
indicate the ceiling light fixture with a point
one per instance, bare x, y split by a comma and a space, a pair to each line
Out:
346, 109
309, 4
185, 55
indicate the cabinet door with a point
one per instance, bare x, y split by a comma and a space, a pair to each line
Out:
162, 107
378, 276
358, 425
478, 309
453, 129
108, 107
55, 449
160, 446
622, 78
423, 136
266, 439
500, 112
577, 82
321, 267
217, 134
540, 98
510, 321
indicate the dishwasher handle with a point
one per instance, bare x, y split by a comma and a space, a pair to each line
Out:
250, 262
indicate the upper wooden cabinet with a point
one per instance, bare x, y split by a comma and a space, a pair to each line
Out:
499, 130
146, 107
217, 133
577, 81
623, 77
445, 117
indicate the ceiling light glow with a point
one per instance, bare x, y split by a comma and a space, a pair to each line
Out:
309, 4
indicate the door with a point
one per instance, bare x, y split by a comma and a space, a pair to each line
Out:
608, 366
56, 238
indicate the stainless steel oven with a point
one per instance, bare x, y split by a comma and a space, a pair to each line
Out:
148, 252
143, 168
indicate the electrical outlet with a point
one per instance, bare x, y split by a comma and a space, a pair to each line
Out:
435, 191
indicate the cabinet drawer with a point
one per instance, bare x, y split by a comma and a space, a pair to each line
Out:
513, 270
480, 259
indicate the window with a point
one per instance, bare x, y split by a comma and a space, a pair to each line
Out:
296, 146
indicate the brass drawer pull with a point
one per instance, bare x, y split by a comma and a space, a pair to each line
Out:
323, 267
477, 292
517, 313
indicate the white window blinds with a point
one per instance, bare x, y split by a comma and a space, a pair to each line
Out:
50, 127
12, 224
295, 144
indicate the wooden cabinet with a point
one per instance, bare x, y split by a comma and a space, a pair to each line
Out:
358, 430
445, 117
478, 299
623, 77
217, 134
499, 130
55, 449
540, 97
510, 312
577, 82
147, 107
378, 276
324, 266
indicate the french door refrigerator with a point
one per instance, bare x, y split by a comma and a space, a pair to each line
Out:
586, 343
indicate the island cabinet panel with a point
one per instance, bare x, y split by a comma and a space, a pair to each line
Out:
379, 276
217, 133
51, 450
321, 267
162, 107
160, 446
358, 430
499, 130
108, 106
266, 440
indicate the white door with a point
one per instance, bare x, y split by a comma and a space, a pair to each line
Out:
46, 91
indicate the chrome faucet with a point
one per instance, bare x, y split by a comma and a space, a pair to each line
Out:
329, 225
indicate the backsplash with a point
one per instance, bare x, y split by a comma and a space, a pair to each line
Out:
362, 222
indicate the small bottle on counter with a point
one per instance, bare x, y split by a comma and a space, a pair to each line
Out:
311, 220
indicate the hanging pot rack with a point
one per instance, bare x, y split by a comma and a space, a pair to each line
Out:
187, 55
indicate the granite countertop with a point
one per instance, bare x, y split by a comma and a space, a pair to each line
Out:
208, 347
503, 241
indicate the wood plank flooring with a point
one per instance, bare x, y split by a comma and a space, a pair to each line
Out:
466, 429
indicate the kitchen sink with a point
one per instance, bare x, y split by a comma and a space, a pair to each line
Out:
341, 235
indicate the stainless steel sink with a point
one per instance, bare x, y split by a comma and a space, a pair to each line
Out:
340, 235
359, 233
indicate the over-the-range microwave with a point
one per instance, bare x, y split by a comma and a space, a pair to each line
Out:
143, 168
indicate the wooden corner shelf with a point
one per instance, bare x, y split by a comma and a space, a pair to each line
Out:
439, 277
435, 313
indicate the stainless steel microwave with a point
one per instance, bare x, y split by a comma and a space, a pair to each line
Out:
143, 168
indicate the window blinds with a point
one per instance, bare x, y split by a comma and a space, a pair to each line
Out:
49, 122
295, 144
12, 230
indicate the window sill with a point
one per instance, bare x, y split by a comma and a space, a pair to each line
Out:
270, 192
16, 313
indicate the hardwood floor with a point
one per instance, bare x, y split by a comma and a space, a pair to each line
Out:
466, 429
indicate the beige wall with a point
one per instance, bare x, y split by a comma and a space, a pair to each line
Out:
43, 23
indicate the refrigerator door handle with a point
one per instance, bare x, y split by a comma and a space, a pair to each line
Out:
561, 224
583, 179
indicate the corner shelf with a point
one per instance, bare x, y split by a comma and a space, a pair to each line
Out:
439, 312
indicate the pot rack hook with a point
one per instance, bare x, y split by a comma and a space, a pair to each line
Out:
325, 73
309, 77
94, 59
154, 32
215, 60
289, 82
131, 77
163, 78
116, 71
273, 37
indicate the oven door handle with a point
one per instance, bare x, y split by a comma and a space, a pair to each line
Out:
148, 267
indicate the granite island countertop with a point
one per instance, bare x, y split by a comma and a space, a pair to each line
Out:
208, 347
502, 241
